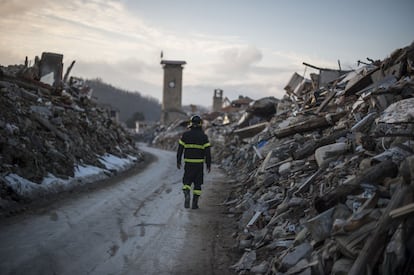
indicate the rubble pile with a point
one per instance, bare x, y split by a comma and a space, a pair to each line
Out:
166, 137
48, 129
239, 122
323, 182
327, 187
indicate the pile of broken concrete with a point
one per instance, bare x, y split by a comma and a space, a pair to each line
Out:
323, 183
48, 131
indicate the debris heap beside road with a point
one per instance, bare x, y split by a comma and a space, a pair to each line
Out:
52, 130
322, 179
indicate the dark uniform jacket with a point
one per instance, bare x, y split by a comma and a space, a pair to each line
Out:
196, 147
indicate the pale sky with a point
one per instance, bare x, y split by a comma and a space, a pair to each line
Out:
244, 47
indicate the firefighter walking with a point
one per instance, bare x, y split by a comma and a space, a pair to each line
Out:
195, 145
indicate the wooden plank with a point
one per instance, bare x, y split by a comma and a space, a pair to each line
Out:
324, 103
368, 256
358, 83
279, 163
254, 218
29, 84
309, 125
65, 78
348, 244
50, 127
402, 211
305, 186
250, 131
373, 175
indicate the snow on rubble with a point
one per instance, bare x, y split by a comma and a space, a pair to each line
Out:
53, 135
84, 174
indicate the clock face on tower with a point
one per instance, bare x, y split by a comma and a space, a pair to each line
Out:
171, 84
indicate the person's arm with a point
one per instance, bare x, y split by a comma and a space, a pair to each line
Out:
207, 152
179, 153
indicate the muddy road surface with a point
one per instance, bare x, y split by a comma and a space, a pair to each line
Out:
137, 225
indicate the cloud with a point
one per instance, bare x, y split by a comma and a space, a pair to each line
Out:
88, 29
239, 59
110, 42
8, 57
11, 8
129, 74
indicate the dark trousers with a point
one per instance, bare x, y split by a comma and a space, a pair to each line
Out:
193, 174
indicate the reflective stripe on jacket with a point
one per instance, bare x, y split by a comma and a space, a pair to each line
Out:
195, 146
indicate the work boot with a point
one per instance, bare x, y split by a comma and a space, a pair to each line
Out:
187, 198
195, 202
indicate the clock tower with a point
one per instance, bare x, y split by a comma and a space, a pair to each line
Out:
172, 91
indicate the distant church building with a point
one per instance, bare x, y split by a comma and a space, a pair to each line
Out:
172, 91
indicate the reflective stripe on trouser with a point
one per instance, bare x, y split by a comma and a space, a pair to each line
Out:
186, 187
195, 191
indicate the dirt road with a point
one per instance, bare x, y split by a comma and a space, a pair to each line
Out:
135, 226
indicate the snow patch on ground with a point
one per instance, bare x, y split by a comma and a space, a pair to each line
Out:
84, 174
112, 162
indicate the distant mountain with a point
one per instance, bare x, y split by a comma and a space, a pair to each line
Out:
126, 102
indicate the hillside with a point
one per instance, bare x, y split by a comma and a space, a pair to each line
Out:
126, 102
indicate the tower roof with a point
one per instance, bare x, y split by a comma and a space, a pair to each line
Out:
172, 62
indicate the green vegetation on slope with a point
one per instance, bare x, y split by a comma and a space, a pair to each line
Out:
126, 102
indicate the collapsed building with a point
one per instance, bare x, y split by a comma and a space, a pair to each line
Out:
49, 126
322, 179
